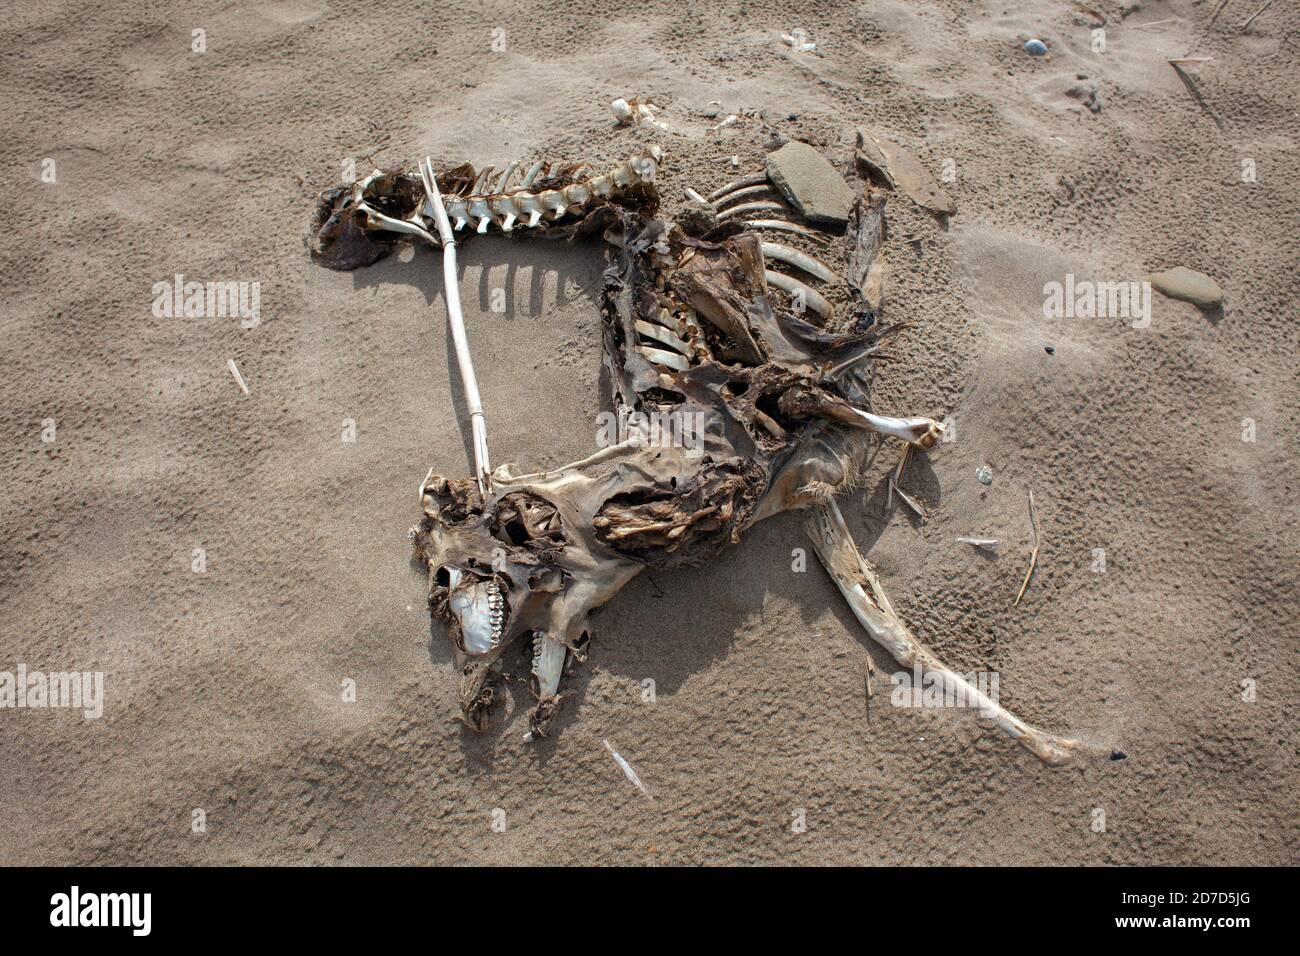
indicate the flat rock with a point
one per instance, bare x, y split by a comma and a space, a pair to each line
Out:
899, 168
1188, 285
811, 183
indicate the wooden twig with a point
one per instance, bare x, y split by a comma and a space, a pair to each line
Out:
1217, 10
1267, 4
456, 319
1196, 94
898, 473
1033, 555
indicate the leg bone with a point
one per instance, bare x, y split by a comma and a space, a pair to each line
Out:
861, 588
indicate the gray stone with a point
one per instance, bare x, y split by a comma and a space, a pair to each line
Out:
697, 218
1188, 285
813, 186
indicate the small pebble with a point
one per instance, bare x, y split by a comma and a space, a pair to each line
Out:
985, 474
1049, 349
1036, 48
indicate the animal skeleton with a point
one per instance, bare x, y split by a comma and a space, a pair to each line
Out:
695, 326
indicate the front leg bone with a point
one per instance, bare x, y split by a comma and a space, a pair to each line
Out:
861, 588
922, 432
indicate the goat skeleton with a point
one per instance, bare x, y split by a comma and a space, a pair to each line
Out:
691, 327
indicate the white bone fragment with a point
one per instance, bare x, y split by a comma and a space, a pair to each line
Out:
980, 542
922, 432
693, 196
800, 260
741, 183
548, 664
784, 225
456, 320
505, 177
531, 175
660, 334
627, 770
798, 39
660, 357
377, 220
810, 297
861, 587
746, 192
744, 209
481, 181
239, 379
907, 499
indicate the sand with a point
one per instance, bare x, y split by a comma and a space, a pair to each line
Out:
224, 689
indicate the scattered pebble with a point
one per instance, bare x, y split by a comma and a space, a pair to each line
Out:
985, 474
1049, 349
697, 218
798, 39
1188, 285
1036, 48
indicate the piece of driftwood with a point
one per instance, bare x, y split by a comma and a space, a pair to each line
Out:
704, 335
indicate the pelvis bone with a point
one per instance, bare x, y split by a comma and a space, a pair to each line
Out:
720, 333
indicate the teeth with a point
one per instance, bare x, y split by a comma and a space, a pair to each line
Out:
480, 609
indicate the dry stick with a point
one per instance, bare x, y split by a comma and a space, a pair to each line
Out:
456, 319
1033, 555
1267, 4
1217, 10
1196, 94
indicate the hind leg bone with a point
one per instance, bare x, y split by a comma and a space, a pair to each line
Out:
861, 588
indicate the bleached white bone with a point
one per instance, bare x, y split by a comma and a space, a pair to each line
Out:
660, 357
744, 209
744, 193
505, 177
922, 432
532, 174
741, 183
548, 664
379, 220
660, 334
861, 587
800, 260
784, 225
456, 320
810, 297
481, 181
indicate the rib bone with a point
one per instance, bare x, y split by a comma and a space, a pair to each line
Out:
741, 183
800, 260
811, 297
